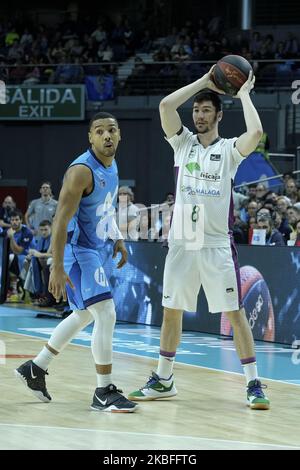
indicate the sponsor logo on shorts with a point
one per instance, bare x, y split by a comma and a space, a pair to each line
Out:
200, 191
100, 277
229, 290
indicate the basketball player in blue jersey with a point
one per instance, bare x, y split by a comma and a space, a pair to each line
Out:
83, 223
205, 166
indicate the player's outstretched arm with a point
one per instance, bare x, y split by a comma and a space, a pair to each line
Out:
170, 120
248, 141
78, 178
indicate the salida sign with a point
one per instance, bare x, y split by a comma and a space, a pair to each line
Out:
43, 102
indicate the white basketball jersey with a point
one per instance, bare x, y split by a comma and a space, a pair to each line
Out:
203, 190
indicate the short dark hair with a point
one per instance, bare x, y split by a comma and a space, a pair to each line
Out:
265, 218
47, 183
44, 223
101, 115
16, 214
209, 95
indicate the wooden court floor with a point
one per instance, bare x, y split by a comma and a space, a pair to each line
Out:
208, 413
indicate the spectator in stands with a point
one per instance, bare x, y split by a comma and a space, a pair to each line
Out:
297, 238
40, 209
249, 211
26, 38
180, 43
20, 238
171, 39
291, 49
255, 44
272, 197
99, 34
139, 69
105, 53
127, 214
11, 36
293, 216
225, 48
287, 176
282, 224
263, 212
239, 200
181, 55
144, 225
269, 204
165, 228
291, 190
280, 51
68, 71
146, 42
168, 203
239, 42
117, 38
273, 236
283, 203
129, 38
239, 229
8, 207
261, 190
250, 226
40, 268
251, 192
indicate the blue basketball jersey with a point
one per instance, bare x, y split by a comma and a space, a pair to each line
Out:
89, 227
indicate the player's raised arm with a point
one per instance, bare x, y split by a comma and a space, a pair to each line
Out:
248, 141
170, 120
78, 179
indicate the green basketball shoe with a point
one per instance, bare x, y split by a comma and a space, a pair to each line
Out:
154, 390
256, 398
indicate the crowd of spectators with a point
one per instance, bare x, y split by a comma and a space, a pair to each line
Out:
95, 43
275, 213
261, 216
30, 247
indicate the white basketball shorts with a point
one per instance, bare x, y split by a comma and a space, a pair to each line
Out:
216, 269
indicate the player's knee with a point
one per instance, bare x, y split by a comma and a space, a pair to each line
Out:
236, 317
104, 312
172, 315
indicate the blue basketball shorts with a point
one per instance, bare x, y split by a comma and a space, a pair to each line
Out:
85, 269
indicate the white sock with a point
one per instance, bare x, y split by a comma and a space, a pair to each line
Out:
250, 371
44, 358
103, 380
165, 366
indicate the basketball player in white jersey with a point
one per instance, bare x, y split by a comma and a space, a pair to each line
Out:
205, 165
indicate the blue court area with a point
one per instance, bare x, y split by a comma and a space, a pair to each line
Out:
275, 361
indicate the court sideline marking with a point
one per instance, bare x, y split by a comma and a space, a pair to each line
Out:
39, 338
151, 435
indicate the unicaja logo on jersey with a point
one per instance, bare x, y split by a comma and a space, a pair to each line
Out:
100, 277
193, 167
